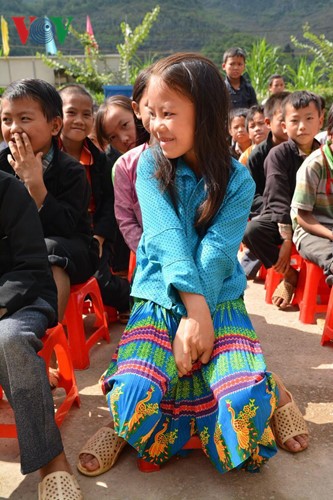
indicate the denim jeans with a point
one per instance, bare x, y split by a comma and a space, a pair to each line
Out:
25, 382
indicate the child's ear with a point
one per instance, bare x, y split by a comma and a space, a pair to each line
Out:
283, 126
268, 122
56, 125
136, 109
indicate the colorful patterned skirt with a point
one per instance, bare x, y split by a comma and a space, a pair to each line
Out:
228, 402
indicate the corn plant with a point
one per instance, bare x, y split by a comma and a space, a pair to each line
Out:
306, 76
319, 47
261, 63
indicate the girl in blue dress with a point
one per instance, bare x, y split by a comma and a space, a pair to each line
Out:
189, 361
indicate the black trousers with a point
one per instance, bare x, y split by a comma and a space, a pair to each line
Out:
114, 290
262, 237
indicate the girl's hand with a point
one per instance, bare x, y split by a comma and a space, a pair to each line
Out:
183, 360
199, 338
24, 162
194, 340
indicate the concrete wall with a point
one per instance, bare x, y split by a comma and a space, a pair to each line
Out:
15, 68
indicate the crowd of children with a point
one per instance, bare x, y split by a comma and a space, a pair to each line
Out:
158, 175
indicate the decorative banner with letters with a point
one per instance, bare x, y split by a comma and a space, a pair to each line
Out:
40, 32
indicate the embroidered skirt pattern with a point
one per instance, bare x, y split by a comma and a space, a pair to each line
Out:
228, 402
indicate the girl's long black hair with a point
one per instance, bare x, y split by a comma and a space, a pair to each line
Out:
199, 80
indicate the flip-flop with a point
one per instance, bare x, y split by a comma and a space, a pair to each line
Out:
284, 291
105, 445
288, 422
59, 485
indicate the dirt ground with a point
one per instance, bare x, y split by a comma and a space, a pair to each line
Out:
292, 349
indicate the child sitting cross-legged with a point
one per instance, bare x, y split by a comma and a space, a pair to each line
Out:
257, 129
240, 139
312, 206
74, 140
31, 116
269, 235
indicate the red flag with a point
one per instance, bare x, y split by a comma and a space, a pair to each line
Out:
90, 32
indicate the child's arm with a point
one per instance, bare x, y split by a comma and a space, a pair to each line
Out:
310, 224
217, 253
28, 167
194, 338
309, 191
104, 221
127, 209
278, 189
165, 240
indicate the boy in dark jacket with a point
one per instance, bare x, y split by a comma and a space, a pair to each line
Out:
242, 94
77, 125
28, 306
31, 115
269, 236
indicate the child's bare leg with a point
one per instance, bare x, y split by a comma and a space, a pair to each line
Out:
59, 463
62, 282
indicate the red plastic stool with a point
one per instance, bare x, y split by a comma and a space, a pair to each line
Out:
273, 278
79, 345
131, 266
262, 273
311, 284
111, 313
193, 443
327, 336
54, 341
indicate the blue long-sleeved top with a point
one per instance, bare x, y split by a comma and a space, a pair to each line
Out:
172, 256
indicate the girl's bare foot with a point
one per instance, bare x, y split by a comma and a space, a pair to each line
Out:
89, 462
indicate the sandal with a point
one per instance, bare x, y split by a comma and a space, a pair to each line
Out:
288, 422
59, 485
284, 291
105, 445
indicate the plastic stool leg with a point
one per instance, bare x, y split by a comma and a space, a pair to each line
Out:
327, 336
145, 466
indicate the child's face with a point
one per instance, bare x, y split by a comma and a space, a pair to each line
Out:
78, 117
172, 121
234, 67
275, 124
277, 86
26, 115
119, 127
258, 129
238, 132
302, 124
141, 110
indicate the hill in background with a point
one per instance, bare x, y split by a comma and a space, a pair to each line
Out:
197, 25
